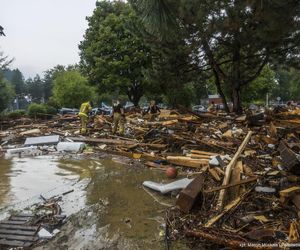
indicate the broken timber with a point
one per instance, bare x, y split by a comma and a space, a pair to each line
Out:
15, 232
116, 142
230, 167
189, 196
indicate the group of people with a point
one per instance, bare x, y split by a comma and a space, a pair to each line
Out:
118, 115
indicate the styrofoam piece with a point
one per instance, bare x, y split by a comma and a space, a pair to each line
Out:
42, 140
43, 233
261, 189
166, 188
70, 146
28, 151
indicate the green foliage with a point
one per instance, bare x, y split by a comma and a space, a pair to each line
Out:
41, 110
233, 40
186, 96
15, 77
35, 88
36, 110
288, 87
16, 114
263, 84
6, 94
6, 89
112, 55
71, 89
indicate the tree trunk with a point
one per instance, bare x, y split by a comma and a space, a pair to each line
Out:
134, 94
236, 99
220, 91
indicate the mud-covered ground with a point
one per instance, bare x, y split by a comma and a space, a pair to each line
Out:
108, 209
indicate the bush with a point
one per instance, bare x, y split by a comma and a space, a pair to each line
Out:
41, 110
50, 110
16, 114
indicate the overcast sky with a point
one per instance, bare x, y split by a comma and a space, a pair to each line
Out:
43, 33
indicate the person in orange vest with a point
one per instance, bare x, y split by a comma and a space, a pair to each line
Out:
84, 111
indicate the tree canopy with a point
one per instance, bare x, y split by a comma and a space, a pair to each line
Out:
112, 55
232, 39
71, 89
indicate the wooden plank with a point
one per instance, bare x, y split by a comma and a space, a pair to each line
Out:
15, 243
21, 227
233, 192
18, 237
189, 195
199, 152
17, 232
24, 215
229, 169
116, 142
10, 222
231, 206
15, 218
252, 179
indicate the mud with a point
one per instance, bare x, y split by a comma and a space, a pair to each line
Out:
108, 208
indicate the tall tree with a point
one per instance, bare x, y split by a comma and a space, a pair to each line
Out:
112, 56
35, 89
71, 89
234, 39
6, 89
48, 80
17, 80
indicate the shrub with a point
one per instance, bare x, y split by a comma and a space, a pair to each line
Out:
41, 110
16, 114
50, 110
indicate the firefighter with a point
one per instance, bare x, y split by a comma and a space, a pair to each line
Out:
85, 109
118, 117
154, 110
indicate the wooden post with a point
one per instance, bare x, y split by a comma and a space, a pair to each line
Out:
229, 169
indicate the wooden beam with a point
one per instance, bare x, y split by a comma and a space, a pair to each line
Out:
252, 179
229, 169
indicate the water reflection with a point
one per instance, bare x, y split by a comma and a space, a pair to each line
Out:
5, 166
130, 211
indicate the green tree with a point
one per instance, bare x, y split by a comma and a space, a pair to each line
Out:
263, 84
233, 39
6, 94
288, 87
35, 88
112, 55
71, 89
48, 80
17, 80
6, 89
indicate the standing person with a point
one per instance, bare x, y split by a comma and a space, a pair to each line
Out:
118, 117
84, 111
212, 107
154, 110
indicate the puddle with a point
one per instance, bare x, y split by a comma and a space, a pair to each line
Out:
129, 210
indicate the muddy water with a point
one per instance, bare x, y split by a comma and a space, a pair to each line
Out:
129, 210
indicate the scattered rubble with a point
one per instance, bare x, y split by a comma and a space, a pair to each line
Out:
244, 189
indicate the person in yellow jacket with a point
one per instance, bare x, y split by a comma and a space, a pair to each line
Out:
84, 111
118, 117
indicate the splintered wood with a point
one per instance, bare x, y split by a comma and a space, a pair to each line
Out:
229, 168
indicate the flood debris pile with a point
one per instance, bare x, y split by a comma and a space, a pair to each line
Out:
32, 227
244, 189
